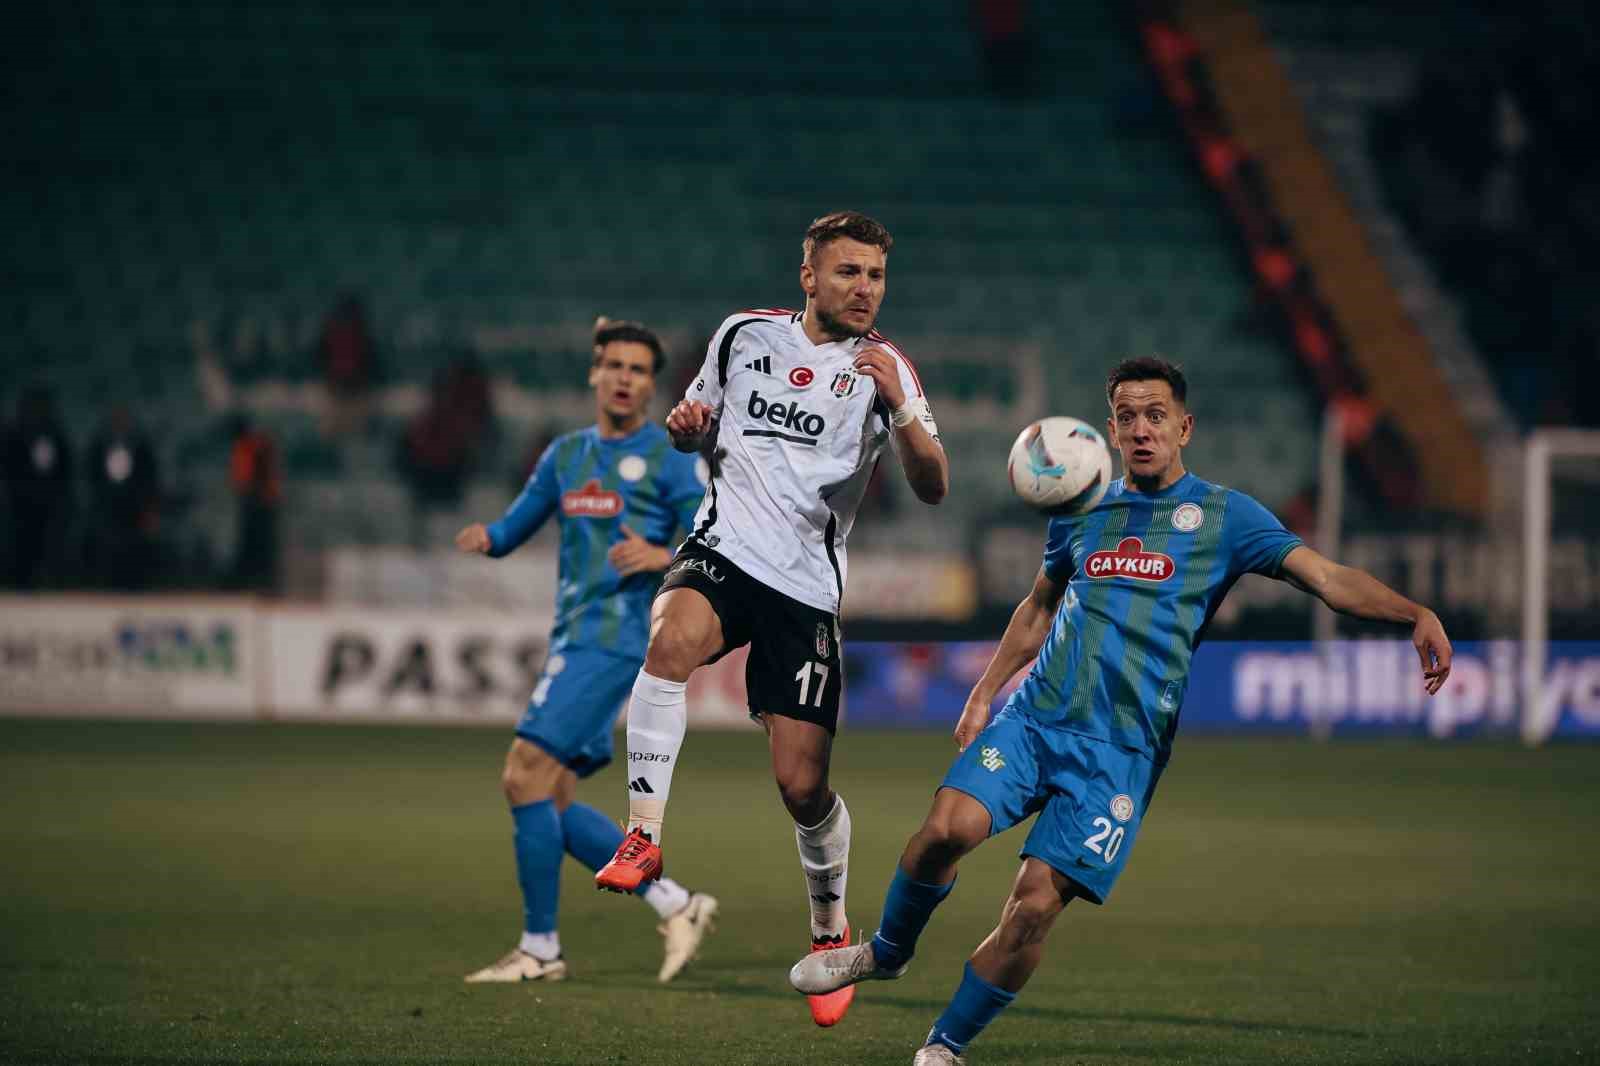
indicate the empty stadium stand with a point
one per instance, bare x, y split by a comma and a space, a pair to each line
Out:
478, 169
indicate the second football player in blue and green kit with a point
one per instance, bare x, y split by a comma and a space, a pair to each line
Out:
1120, 603
620, 492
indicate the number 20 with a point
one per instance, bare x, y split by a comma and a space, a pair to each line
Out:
1112, 845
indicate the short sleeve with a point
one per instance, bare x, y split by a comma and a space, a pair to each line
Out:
708, 385
530, 509
1058, 562
1257, 541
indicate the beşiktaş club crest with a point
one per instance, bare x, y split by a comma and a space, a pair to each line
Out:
1129, 560
844, 383
1121, 807
822, 640
591, 501
1187, 518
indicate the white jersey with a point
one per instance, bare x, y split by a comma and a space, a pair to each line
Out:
800, 431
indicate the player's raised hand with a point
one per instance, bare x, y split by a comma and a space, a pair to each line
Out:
635, 555
879, 365
1433, 648
474, 540
974, 716
688, 423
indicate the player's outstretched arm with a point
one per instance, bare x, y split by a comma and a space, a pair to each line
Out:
921, 455
1024, 636
688, 423
1356, 592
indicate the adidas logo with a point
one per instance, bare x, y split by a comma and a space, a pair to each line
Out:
761, 366
826, 897
639, 784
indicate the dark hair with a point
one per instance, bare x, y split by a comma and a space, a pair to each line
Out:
1149, 368
852, 224
607, 332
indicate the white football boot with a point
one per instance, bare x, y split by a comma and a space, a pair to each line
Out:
518, 965
937, 1055
684, 932
822, 972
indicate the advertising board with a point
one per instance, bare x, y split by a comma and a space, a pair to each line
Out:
149, 658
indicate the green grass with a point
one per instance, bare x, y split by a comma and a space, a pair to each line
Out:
183, 893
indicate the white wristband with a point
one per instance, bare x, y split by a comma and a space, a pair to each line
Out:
903, 415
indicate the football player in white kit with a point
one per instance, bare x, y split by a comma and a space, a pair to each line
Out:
802, 405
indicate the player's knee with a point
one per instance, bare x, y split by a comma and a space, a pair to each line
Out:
673, 654
1029, 914
946, 836
528, 775
805, 796
513, 781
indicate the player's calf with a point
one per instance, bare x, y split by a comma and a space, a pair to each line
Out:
1010, 954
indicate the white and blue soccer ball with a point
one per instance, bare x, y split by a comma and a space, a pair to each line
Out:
1060, 466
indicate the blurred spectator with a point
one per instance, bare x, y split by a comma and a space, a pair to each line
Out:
257, 480
1489, 162
124, 507
1007, 46
37, 464
347, 355
442, 443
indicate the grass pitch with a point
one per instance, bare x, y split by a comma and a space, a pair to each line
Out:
276, 894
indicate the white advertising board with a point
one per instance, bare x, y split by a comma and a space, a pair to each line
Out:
401, 666
147, 658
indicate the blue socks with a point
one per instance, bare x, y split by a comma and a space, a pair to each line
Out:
906, 910
976, 1004
592, 838
539, 851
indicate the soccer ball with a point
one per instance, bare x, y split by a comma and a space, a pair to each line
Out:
1060, 466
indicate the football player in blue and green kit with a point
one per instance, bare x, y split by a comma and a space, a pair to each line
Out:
1115, 613
620, 491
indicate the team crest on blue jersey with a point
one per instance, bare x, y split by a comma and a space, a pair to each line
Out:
844, 383
632, 467
1187, 518
1121, 807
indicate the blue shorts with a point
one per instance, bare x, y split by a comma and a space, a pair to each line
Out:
1090, 795
575, 705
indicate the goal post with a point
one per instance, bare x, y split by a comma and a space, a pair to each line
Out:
1541, 449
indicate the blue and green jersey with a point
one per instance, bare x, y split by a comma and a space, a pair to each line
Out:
595, 486
1144, 574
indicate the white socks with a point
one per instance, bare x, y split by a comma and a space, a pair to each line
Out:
824, 857
657, 716
545, 947
666, 897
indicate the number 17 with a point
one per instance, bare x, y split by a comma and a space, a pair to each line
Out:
804, 677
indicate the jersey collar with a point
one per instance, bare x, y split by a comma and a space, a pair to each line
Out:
1177, 488
797, 326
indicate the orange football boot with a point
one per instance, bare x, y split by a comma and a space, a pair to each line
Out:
830, 1009
637, 860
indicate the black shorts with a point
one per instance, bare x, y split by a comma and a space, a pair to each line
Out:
794, 669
